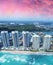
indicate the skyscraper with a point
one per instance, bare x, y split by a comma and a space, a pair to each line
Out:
26, 39
36, 42
5, 39
47, 42
15, 39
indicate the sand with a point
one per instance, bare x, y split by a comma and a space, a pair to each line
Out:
28, 52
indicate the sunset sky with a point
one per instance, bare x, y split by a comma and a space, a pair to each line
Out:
26, 10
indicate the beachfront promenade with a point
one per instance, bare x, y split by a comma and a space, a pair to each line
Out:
27, 52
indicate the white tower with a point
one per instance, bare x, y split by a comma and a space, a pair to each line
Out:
26, 39
5, 39
15, 39
47, 42
36, 42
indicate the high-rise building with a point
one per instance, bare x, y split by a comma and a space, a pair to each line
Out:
47, 42
15, 39
36, 42
5, 39
26, 39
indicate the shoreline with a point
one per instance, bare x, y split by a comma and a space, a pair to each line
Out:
27, 52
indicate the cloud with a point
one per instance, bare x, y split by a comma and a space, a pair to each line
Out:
26, 7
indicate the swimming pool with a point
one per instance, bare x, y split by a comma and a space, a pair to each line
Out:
25, 59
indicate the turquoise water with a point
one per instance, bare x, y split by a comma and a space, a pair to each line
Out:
23, 59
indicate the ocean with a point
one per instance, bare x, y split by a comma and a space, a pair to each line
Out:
25, 59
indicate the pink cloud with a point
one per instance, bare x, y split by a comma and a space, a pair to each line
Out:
39, 7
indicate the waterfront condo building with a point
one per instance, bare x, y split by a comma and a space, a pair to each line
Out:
26, 39
36, 42
5, 39
47, 42
15, 39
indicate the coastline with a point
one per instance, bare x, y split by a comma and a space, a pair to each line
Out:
27, 52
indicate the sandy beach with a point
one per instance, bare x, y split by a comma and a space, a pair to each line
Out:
28, 52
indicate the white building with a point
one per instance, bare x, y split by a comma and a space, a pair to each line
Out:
15, 39
5, 39
36, 42
26, 39
47, 42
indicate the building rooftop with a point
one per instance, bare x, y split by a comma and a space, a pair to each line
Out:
47, 36
4, 31
24, 32
36, 35
14, 31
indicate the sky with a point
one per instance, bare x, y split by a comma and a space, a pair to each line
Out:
26, 10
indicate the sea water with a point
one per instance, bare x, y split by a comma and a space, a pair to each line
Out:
25, 59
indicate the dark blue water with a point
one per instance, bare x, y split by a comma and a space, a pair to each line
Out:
23, 59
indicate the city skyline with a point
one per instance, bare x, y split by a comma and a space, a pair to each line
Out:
26, 10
